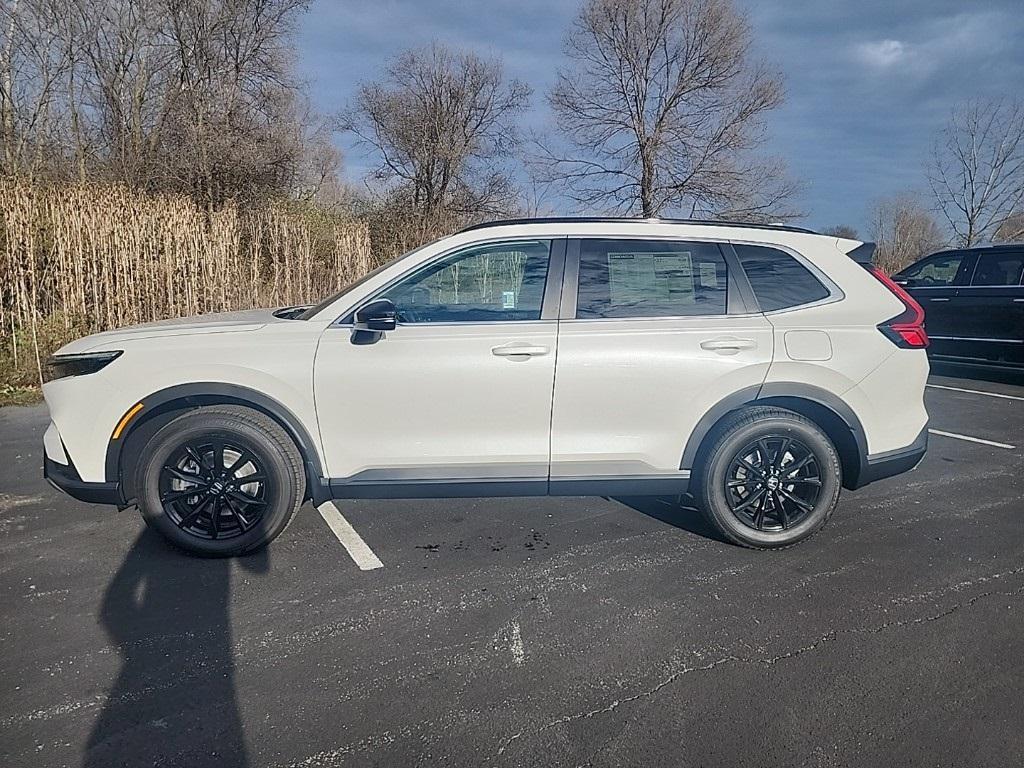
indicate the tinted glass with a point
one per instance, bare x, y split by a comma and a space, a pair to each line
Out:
779, 281
937, 271
650, 278
998, 269
498, 281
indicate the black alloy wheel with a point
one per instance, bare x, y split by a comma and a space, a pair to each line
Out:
773, 483
214, 489
220, 480
769, 478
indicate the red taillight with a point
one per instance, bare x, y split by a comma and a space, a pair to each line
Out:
906, 330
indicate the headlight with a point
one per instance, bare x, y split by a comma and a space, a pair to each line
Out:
62, 366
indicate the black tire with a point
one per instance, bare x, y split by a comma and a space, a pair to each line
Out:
226, 515
758, 487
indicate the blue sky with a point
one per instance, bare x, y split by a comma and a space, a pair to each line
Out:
867, 82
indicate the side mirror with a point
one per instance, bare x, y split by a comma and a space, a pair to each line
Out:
379, 315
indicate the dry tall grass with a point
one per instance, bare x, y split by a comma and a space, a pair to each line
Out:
76, 259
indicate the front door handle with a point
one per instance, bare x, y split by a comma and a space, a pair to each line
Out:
728, 344
518, 350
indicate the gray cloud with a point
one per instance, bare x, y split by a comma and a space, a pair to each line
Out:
867, 83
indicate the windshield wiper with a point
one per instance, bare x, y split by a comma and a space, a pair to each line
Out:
291, 313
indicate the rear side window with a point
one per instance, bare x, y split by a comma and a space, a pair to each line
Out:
779, 281
650, 278
998, 269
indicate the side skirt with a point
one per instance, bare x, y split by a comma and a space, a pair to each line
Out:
507, 487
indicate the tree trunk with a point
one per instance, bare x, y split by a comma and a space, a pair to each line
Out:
647, 209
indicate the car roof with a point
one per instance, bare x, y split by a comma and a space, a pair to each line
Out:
986, 247
778, 227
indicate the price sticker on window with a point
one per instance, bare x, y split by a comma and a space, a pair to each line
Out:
708, 274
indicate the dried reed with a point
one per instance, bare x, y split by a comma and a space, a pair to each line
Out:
77, 259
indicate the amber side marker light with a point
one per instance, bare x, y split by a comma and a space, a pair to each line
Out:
125, 419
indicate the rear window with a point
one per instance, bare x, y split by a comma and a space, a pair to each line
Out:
779, 281
998, 269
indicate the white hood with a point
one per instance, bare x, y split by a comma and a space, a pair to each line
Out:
221, 322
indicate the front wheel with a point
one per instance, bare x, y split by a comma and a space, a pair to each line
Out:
220, 480
771, 479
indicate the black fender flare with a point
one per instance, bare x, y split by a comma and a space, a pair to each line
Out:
767, 392
195, 394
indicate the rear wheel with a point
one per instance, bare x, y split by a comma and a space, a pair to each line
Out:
220, 480
771, 479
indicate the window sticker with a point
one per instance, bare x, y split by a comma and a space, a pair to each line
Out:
508, 299
708, 275
634, 278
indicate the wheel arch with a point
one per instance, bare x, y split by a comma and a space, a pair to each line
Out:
826, 410
164, 405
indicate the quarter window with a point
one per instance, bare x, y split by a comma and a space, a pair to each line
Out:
493, 282
779, 281
998, 269
650, 278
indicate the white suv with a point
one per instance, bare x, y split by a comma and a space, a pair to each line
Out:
758, 368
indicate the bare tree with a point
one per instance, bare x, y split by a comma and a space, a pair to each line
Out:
976, 170
660, 108
1011, 230
904, 231
231, 124
441, 127
841, 230
125, 76
178, 95
32, 65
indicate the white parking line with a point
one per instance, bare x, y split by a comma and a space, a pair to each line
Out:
348, 536
975, 392
970, 439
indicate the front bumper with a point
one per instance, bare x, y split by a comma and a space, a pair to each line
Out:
64, 477
891, 463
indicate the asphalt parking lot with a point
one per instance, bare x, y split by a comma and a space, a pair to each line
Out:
529, 632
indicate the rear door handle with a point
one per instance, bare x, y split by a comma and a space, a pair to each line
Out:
728, 344
938, 299
519, 350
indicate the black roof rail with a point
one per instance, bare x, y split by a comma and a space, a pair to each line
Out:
1013, 245
629, 220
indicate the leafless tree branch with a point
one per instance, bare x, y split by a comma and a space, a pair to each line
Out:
441, 127
660, 109
976, 171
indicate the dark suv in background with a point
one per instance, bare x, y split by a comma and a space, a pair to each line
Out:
973, 300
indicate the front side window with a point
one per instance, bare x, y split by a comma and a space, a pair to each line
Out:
492, 282
650, 278
998, 269
778, 280
939, 271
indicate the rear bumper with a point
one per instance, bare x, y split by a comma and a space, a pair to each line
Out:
64, 477
891, 463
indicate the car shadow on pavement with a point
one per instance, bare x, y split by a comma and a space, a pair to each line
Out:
174, 700
673, 510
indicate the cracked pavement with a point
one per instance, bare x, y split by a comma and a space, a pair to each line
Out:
523, 632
